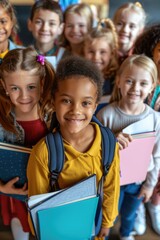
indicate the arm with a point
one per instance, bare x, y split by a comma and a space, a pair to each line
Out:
111, 195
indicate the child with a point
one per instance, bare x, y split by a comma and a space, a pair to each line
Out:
9, 27
76, 93
100, 46
46, 25
129, 20
149, 44
136, 78
78, 20
25, 114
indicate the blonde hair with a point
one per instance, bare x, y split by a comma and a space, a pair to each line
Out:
25, 59
106, 29
82, 9
137, 7
141, 61
9, 9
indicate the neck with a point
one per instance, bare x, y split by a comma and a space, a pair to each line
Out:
76, 49
27, 116
131, 109
44, 48
3, 46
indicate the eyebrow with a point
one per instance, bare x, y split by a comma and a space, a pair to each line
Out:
67, 95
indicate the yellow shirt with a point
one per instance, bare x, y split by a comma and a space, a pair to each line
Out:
2, 55
77, 166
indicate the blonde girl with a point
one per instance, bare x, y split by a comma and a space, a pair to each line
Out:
78, 19
100, 46
129, 20
26, 80
135, 80
9, 27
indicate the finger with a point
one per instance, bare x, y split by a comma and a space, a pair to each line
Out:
14, 180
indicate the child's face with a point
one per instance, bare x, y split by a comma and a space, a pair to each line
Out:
24, 90
75, 28
128, 26
135, 83
99, 52
156, 57
45, 26
75, 104
6, 26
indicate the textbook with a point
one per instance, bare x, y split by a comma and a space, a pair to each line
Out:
135, 159
13, 163
80, 200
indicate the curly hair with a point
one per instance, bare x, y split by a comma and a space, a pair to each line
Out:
146, 43
78, 66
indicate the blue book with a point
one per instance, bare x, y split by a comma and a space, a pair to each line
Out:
72, 221
13, 163
85, 189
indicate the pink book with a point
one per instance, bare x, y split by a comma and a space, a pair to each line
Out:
135, 159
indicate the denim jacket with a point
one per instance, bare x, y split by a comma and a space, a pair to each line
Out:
10, 137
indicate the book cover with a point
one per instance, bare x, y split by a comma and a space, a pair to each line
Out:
82, 190
13, 162
68, 222
135, 159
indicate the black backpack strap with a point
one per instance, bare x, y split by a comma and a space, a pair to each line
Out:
55, 156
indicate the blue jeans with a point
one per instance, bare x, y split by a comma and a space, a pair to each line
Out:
128, 205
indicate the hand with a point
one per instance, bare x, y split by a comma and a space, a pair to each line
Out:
145, 193
157, 104
104, 232
9, 187
123, 140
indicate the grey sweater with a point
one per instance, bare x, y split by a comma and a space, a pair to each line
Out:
114, 118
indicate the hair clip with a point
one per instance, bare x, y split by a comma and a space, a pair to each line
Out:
138, 4
41, 59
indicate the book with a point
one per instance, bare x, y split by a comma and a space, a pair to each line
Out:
13, 163
135, 159
83, 190
68, 222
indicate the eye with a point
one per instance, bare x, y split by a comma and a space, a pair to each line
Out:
86, 103
31, 87
144, 83
52, 24
129, 81
3, 21
66, 101
38, 22
13, 89
132, 26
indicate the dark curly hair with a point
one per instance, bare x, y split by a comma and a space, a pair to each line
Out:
78, 66
146, 43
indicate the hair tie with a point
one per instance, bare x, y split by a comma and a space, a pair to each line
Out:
41, 59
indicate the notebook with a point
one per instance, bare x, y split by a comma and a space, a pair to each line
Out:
135, 159
82, 190
72, 221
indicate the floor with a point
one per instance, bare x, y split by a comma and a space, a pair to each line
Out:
5, 233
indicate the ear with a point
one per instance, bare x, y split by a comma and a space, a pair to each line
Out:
29, 24
117, 81
61, 28
3, 84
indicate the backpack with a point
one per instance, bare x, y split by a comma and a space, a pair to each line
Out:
56, 159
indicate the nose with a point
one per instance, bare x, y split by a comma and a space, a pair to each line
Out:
96, 56
23, 94
75, 29
125, 28
135, 86
45, 26
75, 108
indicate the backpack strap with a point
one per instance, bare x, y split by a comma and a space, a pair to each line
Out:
55, 157
108, 145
